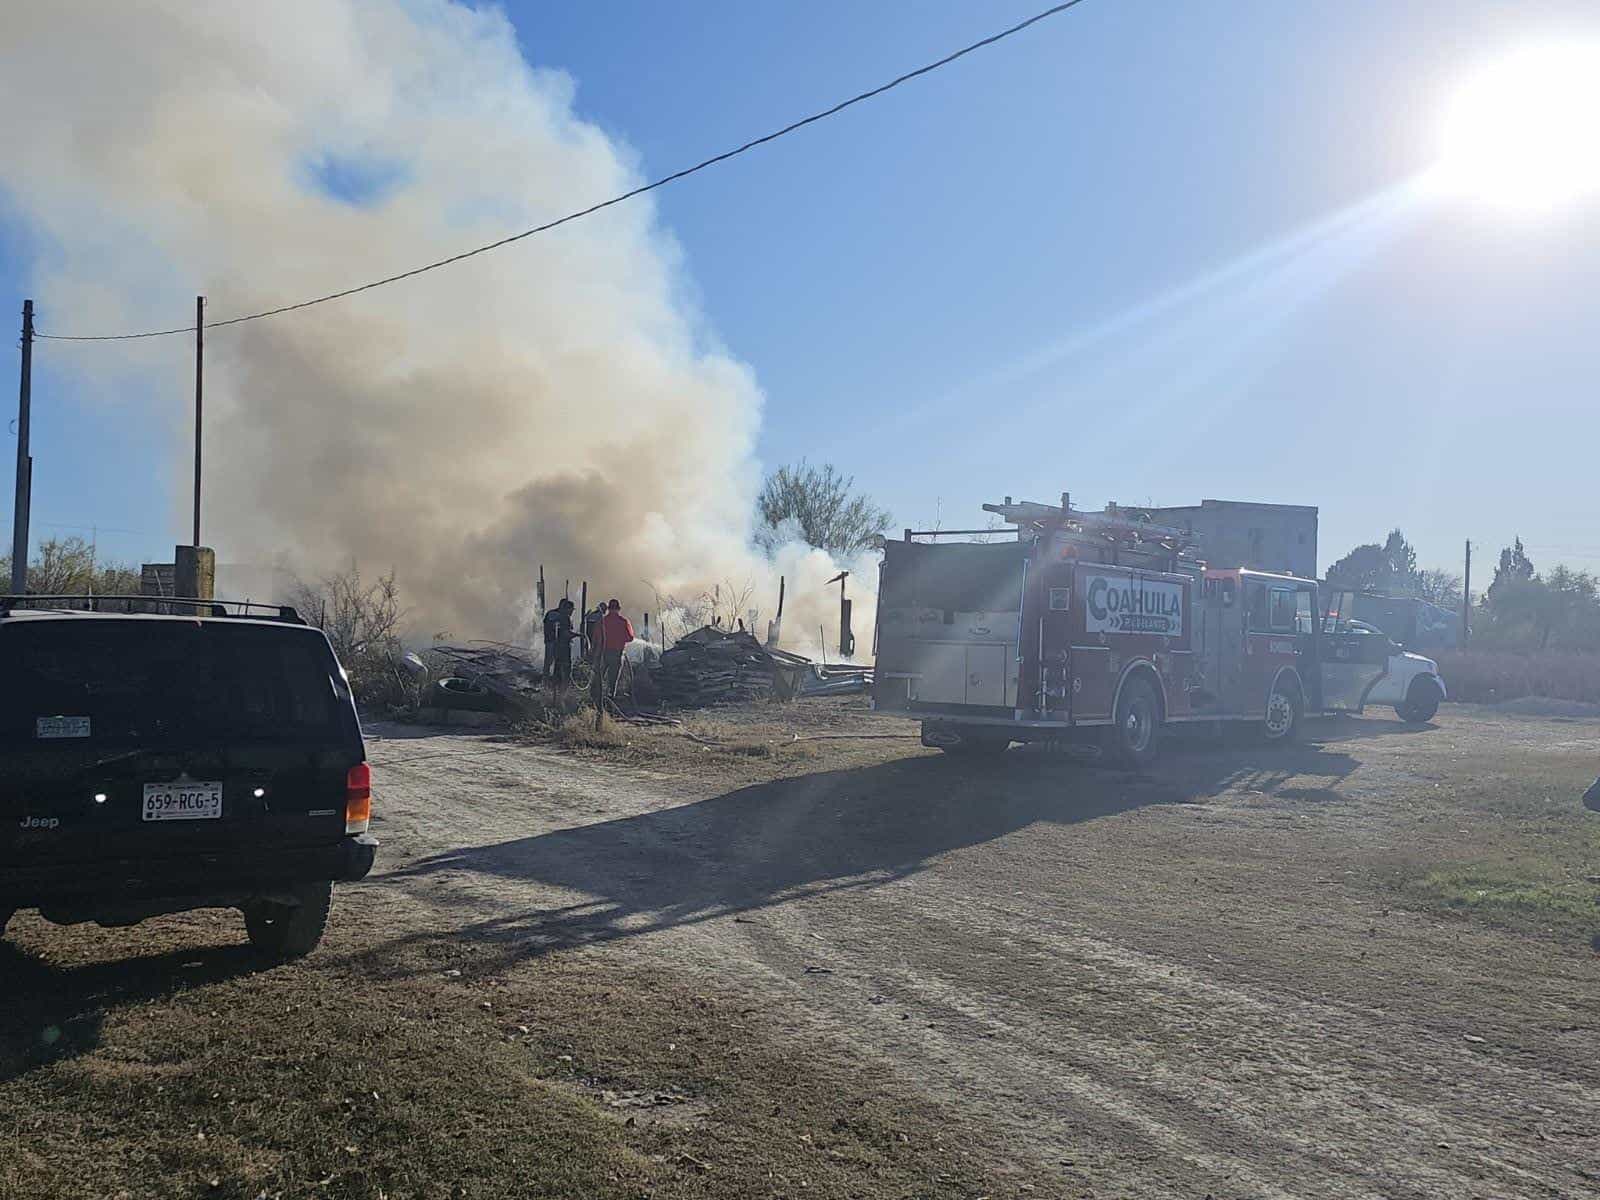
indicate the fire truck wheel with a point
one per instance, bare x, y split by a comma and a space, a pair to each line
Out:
1421, 703
1284, 710
1132, 738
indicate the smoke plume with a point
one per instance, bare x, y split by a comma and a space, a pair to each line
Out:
559, 401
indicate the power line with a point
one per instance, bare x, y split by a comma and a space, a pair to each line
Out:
593, 208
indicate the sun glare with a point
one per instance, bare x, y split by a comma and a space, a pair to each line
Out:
1524, 132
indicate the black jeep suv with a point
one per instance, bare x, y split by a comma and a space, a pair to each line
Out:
157, 763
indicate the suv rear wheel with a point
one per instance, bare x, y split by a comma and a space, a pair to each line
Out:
290, 930
1420, 704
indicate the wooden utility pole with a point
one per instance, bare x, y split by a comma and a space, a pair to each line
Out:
199, 391
775, 626
847, 639
1466, 599
24, 500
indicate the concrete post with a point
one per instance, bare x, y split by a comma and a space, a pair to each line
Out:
194, 575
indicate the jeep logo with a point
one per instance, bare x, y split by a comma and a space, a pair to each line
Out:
39, 823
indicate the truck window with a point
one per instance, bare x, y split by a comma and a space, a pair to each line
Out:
71, 684
1257, 606
1304, 619
1281, 610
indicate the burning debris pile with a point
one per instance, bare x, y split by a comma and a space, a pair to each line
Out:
720, 666
707, 667
488, 676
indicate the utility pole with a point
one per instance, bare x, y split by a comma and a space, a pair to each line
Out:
847, 639
199, 390
1466, 599
24, 500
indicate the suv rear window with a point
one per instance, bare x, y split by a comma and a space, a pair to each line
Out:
65, 681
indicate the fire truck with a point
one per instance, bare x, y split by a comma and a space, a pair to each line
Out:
1105, 625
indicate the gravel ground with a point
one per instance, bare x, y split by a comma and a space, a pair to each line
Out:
1204, 980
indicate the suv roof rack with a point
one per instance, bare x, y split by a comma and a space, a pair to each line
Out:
108, 603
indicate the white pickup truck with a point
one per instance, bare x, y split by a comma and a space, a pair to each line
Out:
1409, 682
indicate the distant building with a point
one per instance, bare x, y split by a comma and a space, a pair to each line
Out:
156, 579
1240, 533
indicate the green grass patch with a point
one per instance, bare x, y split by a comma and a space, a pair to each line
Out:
1532, 894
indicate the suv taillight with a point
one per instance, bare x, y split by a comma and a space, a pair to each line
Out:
358, 799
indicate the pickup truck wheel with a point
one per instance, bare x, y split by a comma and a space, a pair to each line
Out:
1285, 711
290, 930
1135, 732
1420, 704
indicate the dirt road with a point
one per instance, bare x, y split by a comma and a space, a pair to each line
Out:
1201, 981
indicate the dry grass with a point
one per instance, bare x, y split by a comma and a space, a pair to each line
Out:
1488, 676
433, 1067
1527, 851
739, 745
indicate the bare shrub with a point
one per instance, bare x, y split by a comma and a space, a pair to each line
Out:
1487, 676
726, 605
362, 621
69, 567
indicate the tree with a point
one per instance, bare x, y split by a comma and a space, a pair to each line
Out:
1391, 567
1514, 567
820, 505
1439, 587
1366, 568
1572, 606
1523, 610
1402, 561
1525, 613
362, 621
67, 567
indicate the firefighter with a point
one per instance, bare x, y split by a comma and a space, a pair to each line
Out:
612, 636
558, 635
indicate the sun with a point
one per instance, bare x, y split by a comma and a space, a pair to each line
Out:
1524, 131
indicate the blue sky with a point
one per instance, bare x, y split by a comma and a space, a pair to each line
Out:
1148, 251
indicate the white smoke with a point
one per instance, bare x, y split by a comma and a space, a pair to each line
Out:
559, 401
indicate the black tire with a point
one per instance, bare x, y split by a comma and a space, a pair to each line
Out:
1286, 710
1134, 737
290, 930
1421, 702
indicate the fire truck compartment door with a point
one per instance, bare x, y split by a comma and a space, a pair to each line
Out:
986, 675
942, 668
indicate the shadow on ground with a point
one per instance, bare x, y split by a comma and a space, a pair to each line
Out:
49, 1012
825, 832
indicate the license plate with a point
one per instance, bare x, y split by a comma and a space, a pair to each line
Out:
184, 801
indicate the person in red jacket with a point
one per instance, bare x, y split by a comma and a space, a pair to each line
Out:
612, 636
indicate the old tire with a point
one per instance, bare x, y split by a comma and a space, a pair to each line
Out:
1421, 702
290, 930
1135, 732
1285, 712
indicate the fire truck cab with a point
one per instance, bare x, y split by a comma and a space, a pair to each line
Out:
1109, 624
